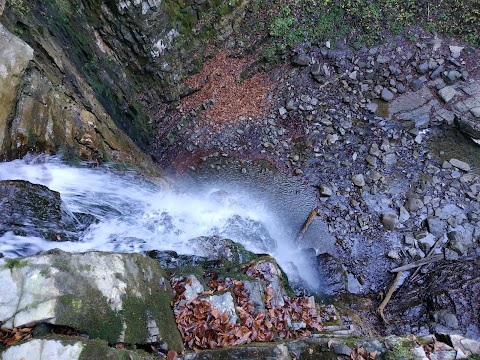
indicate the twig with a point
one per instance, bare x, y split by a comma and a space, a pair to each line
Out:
305, 226
418, 263
385, 301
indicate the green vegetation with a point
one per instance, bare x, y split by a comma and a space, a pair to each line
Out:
288, 23
15, 263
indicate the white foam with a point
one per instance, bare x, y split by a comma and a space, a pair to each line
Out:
131, 212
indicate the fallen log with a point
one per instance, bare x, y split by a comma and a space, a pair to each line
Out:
313, 214
387, 297
418, 263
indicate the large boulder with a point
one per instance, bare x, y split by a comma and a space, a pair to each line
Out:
112, 297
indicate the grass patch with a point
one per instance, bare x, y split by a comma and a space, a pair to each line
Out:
15, 263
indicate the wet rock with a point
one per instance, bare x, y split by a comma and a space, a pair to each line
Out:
220, 247
35, 210
460, 164
331, 275
390, 221
113, 297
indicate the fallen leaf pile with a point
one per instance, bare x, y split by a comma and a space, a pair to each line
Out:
359, 353
203, 327
10, 337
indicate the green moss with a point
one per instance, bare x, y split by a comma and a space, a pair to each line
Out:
90, 314
15, 263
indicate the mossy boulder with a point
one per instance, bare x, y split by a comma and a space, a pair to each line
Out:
112, 297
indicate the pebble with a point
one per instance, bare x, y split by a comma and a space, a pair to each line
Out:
387, 95
358, 180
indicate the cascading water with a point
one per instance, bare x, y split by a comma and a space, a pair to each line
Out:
135, 215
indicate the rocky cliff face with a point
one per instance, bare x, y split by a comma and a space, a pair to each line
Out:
84, 71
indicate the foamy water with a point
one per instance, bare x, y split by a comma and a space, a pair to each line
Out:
135, 215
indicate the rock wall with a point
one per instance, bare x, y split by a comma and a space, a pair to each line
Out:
93, 70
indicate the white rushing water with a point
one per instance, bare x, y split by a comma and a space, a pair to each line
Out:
135, 215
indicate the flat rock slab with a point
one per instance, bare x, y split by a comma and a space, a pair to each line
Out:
113, 297
410, 101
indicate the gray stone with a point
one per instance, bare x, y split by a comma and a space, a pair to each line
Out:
37, 349
455, 51
447, 93
290, 105
426, 241
423, 68
316, 69
437, 72
282, 111
446, 318
460, 164
387, 95
475, 112
404, 215
460, 239
468, 346
372, 107
390, 221
342, 349
2, 6
436, 226
301, 59
358, 180
453, 76
325, 190
223, 303
374, 149
401, 88
417, 84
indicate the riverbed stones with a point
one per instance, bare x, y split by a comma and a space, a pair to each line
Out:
113, 297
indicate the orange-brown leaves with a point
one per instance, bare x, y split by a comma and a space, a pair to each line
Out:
13, 336
220, 82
